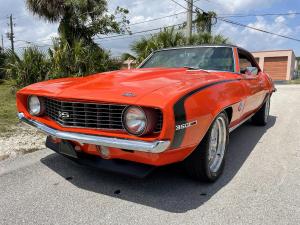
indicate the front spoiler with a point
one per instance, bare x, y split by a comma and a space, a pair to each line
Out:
135, 145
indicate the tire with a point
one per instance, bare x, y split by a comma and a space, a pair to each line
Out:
260, 118
200, 164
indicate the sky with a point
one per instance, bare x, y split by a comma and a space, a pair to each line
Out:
33, 29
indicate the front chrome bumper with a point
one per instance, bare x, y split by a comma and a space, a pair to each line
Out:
142, 146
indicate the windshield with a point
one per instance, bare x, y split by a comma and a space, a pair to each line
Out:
206, 58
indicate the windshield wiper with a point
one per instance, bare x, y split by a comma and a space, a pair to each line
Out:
191, 68
194, 68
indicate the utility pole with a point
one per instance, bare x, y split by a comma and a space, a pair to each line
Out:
11, 35
2, 42
189, 19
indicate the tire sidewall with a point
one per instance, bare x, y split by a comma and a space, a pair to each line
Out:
212, 176
266, 106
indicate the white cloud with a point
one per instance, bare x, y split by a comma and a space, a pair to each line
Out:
256, 40
240, 6
31, 28
279, 19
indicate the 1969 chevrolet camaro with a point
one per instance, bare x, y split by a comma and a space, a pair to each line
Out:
179, 105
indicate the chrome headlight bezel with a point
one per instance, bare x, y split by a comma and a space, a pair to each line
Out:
140, 116
35, 105
147, 118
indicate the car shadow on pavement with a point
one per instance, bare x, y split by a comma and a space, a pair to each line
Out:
167, 188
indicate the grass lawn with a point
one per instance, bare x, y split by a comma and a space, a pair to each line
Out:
8, 111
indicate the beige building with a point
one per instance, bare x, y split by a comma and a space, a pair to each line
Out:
279, 64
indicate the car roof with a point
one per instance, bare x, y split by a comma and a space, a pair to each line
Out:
204, 45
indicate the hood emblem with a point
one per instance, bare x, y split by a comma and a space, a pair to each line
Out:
129, 94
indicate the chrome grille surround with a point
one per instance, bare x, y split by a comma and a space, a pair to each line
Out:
89, 115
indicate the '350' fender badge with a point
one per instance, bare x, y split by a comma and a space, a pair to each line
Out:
186, 125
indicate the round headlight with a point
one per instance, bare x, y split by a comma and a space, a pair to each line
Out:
35, 106
139, 121
134, 120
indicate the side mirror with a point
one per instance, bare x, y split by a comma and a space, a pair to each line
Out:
251, 70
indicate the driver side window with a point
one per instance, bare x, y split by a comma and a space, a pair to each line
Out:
245, 62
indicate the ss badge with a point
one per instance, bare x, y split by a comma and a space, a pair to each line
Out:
63, 115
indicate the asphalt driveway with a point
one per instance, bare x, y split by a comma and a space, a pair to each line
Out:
261, 183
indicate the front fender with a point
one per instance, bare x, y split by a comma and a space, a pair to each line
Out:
200, 107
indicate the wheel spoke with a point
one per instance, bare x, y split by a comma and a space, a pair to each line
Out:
217, 144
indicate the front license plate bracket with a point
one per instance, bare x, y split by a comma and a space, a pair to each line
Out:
67, 149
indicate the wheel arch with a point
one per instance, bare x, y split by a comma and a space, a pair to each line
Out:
229, 112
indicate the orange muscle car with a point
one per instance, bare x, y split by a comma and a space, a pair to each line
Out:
179, 105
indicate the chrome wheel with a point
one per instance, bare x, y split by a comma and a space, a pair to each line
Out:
217, 144
206, 163
267, 110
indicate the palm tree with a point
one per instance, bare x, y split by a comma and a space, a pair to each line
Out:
77, 60
204, 21
80, 19
207, 38
170, 37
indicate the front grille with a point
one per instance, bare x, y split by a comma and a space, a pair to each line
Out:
89, 115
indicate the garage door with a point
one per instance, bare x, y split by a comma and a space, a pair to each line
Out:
276, 67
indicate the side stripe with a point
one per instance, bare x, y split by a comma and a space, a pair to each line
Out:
180, 114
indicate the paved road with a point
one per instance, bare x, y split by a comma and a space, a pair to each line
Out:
261, 184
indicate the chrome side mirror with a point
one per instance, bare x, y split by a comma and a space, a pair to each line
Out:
251, 70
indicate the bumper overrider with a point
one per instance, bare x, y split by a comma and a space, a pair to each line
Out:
135, 145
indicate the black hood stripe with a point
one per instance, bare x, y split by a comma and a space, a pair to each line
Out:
180, 115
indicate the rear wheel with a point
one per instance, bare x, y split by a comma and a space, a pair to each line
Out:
206, 163
261, 117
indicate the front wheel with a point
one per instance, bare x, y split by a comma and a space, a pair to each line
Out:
206, 163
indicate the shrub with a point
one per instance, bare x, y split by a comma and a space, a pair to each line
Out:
31, 67
78, 60
63, 60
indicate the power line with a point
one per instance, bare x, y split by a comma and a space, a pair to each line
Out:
250, 15
115, 37
138, 32
158, 18
239, 15
246, 26
263, 14
126, 37
257, 29
145, 21
39, 46
177, 3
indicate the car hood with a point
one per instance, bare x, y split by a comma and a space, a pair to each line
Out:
123, 86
